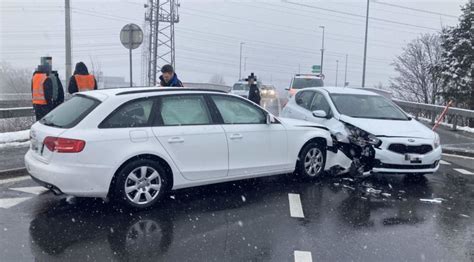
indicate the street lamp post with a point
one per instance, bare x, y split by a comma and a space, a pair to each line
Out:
365, 43
240, 65
322, 49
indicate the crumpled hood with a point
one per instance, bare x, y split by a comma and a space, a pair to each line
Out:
391, 128
290, 122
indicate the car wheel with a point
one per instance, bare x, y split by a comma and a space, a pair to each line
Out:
312, 160
141, 184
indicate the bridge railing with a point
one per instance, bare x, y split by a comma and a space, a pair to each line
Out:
455, 116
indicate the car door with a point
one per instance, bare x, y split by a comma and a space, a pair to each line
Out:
302, 105
255, 147
319, 102
188, 132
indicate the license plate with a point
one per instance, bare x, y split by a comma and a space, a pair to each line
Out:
414, 159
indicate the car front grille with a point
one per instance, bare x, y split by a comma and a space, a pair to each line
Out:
406, 149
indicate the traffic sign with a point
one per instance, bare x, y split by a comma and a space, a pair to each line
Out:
316, 69
131, 36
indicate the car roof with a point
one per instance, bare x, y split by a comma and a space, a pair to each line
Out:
101, 94
344, 90
307, 76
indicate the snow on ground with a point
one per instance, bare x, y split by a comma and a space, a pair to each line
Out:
19, 136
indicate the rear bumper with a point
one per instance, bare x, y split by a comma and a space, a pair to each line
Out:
390, 162
72, 179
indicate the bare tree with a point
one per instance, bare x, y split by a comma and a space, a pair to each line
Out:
14, 80
96, 70
217, 79
419, 77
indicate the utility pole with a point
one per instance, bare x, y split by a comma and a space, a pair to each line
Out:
345, 72
68, 41
162, 16
365, 43
240, 65
322, 49
337, 70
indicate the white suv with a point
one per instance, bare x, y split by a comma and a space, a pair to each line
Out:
135, 144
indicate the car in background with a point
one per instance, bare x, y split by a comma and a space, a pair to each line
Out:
241, 88
355, 117
301, 81
268, 91
133, 145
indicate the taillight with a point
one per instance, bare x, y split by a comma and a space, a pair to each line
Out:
64, 145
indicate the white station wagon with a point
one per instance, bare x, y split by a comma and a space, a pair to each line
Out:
135, 144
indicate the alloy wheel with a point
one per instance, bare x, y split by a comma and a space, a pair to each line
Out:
142, 185
313, 162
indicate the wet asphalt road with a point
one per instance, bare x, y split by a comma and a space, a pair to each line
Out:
251, 220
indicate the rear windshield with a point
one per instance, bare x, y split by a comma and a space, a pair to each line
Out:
71, 112
241, 87
300, 83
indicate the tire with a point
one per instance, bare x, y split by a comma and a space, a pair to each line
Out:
142, 191
311, 161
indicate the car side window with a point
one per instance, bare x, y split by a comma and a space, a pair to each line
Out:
236, 111
303, 99
320, 103
135, 113
178, 110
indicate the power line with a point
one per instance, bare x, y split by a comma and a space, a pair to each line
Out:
357, 15
415, 9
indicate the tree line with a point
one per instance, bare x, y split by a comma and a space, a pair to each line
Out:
437, 68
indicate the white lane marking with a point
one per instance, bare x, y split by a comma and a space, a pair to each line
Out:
463, 171
32, 189
458, 156
14, 179
442, 162
10, 202
303, 256
296, 209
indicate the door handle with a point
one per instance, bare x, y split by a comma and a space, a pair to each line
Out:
236, 136
175, 139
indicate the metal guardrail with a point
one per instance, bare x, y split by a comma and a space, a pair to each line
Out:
454, 114
16, 112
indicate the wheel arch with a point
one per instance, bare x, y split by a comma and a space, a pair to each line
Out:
319, 140
158, 159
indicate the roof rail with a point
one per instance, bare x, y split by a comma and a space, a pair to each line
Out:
168, 90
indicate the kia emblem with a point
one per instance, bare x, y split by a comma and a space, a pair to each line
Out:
411, 140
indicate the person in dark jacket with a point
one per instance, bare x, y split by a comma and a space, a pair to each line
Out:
46, 88
169, 77
81, 80
254, 92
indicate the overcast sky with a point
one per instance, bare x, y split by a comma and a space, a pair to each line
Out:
281, 38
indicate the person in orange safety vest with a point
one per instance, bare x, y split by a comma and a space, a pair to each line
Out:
81, 80
46, 89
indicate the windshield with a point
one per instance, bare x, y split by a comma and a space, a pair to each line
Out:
239, 86
71, 112
367, 106
299, 83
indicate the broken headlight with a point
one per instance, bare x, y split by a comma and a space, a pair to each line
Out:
361, 137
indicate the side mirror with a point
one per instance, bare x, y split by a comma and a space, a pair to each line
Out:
320, 114
287, 89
